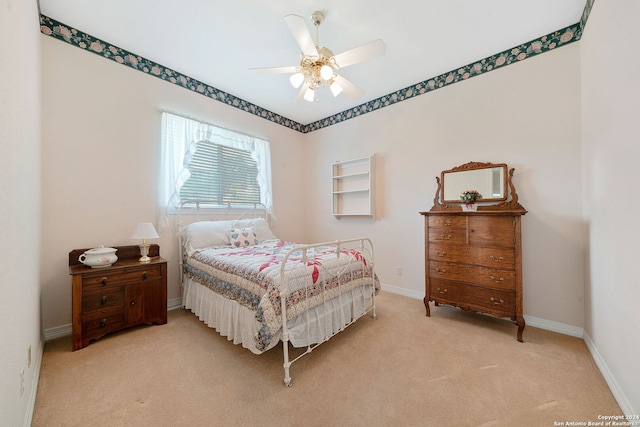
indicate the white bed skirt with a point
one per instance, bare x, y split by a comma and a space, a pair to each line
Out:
239, 325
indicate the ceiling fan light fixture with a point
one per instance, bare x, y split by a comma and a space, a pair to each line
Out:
335, 88
326, 72
309, 94
296, 79
318, 65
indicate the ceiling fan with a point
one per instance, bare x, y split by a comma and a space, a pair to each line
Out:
319, 65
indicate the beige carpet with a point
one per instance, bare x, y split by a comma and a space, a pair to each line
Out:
403, 369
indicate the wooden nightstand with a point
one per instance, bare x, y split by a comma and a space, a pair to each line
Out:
126, 294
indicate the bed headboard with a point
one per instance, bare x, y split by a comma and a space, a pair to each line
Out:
209, 210
205, 211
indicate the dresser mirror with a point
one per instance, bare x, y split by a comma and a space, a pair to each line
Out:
489, 179
492, 180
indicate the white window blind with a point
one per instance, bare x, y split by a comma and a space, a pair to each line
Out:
221, 174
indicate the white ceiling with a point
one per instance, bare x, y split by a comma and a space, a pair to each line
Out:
217, 41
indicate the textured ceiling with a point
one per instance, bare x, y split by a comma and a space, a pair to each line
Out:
217, 42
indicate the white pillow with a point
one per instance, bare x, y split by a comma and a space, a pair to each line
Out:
204, 234
241, 237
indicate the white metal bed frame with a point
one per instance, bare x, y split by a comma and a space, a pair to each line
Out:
365, 247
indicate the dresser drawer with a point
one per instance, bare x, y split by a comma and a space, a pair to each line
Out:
474, 298
491, 299
502, 258
133, 274
454, 221
102, 298
444, 291
452, 236
498, 231
471, 274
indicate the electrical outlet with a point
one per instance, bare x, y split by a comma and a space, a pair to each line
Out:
29, 357
399, 271
21, 382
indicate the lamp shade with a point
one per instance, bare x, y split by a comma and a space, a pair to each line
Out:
296, 79
145, 230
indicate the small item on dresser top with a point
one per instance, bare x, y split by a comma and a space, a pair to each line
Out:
99, 257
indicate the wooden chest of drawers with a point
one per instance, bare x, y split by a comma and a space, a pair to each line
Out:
128, 293
473, 261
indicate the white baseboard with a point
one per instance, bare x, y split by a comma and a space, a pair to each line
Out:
402, 291
550, 325
618, 393
66, 330
174, 304
31, 403
57, 332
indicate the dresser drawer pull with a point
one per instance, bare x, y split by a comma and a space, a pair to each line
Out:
499, 259
441, 254
132, 303
497, 279
445, 236
447, 222
103, 323
493, 300
441, 271
145, 275
103, 300
442, 291
103, 281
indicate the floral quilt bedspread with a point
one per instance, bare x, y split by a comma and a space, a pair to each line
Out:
251, 276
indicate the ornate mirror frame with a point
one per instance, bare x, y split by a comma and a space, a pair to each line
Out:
507, 201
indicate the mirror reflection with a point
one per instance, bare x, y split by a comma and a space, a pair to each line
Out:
488, 181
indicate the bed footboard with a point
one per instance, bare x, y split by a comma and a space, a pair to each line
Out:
360, 249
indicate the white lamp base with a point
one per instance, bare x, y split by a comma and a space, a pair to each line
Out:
144, 251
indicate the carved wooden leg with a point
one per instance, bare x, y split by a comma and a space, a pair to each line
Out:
520, 322
426, 305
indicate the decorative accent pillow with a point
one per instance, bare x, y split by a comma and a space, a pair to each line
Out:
241, 237
260, 226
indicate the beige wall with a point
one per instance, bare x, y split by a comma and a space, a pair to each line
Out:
611, 148
20, 327
101, 129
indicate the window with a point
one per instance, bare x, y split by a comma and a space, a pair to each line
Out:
201, 161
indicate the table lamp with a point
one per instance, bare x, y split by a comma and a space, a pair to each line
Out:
144, 231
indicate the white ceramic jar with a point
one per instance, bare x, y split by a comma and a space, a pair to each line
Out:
99, 257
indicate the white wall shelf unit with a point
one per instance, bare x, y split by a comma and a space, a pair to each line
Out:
353, 187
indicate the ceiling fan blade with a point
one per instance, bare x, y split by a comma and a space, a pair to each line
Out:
300, 98
301, 34
349, 88
361, 53
274, 70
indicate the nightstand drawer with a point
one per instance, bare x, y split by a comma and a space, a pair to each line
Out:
102, 298
99, 323
126, 275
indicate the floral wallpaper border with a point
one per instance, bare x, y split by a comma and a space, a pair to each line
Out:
564, 36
